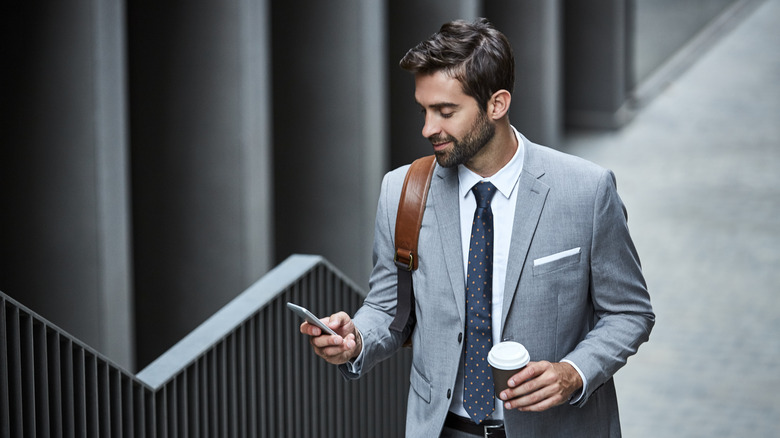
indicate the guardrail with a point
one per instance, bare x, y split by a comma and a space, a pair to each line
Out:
245, 372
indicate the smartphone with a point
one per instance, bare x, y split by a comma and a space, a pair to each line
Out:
310, 318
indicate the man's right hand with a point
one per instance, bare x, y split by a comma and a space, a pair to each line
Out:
335, 349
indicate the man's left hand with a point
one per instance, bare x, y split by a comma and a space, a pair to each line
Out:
540, 386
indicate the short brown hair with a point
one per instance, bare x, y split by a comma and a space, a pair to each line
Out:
476, 54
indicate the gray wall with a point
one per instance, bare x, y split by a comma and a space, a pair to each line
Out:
613, 47
663, 27
64, 226
330, 135
597, 62
534, 30
201, 149
159, 157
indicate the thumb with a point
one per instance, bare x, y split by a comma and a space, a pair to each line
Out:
341, 323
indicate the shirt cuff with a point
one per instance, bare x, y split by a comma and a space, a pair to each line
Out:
577, 396
355, 365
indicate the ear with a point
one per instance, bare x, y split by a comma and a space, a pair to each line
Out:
498, 105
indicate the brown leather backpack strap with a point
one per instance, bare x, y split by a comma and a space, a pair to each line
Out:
411, 208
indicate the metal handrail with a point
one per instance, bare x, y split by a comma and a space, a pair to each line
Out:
246, 371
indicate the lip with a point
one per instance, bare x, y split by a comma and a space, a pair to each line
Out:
440, 146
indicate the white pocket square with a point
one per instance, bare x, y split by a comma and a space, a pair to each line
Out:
556, 256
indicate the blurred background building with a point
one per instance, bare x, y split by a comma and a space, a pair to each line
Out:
157, 158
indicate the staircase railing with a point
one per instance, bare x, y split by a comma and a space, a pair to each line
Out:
245, 372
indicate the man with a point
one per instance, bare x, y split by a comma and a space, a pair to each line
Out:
566, 280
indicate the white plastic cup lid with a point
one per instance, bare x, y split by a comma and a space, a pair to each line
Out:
508, 355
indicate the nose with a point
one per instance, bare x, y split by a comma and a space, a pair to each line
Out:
430, 127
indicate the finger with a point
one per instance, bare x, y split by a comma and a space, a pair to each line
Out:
535, 402
542, 392
530, 371
325, 341
309, 329
523, 399
545, 398
339, 353
524, 381
331, 351
349, 341
326, 348
337, 320
520, 391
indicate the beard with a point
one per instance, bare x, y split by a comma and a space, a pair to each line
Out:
481, 132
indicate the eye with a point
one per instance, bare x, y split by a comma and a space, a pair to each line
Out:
447, 115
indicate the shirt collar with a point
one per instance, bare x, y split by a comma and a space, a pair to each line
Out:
505, 179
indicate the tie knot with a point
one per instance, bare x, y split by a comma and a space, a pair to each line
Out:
483, 192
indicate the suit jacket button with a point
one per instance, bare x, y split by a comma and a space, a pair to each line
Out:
449, 393
460, 337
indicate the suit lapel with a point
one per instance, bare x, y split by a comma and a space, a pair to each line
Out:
531, 197
444, 189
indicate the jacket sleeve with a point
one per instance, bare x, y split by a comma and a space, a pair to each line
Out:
376, 314
623, 314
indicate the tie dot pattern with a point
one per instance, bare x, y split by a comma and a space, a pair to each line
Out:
478, 385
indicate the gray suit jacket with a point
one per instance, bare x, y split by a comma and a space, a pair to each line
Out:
591, 307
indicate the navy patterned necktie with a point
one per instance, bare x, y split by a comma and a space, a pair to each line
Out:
477, 379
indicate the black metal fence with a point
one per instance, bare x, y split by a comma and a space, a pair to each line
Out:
245, 372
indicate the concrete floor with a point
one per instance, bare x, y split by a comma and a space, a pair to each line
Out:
699, 171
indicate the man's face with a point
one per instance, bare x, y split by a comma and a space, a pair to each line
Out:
454, 123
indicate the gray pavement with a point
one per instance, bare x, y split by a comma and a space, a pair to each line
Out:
699, 171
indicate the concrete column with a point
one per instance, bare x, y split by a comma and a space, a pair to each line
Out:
200, 102
329, 129
255, 102
411, 21
534, 30
597, 63
64, 226
112, 178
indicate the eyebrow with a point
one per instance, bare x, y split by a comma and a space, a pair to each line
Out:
440, 106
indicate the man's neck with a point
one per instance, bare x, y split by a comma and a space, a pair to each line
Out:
495, 154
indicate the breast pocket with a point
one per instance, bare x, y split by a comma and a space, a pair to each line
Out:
557, 261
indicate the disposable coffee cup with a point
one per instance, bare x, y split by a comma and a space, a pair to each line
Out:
506, 359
